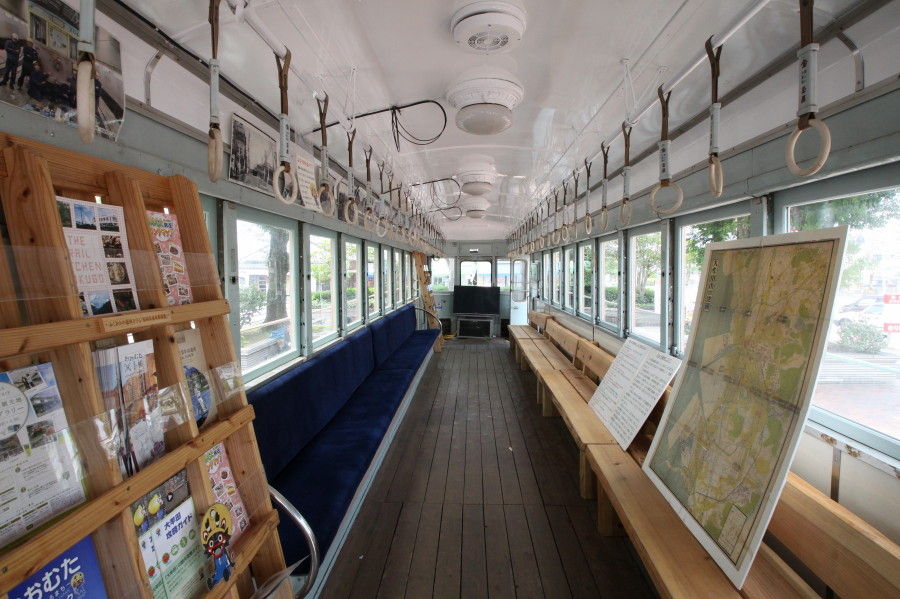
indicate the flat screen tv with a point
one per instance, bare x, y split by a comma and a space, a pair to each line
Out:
476, 300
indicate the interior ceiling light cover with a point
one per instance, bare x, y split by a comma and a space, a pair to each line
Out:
485, 98
476, 213
488, 26
476, 207
477, 175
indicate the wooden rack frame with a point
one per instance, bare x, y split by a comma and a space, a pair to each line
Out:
53, 330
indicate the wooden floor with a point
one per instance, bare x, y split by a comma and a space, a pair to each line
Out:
478, 497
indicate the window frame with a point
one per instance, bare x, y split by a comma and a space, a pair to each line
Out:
360, 275
556, 278
617, 328
367, 245
579, 279
661, 227
387, 278
313, 230
486, 259
570, 306
496, 277
397, 283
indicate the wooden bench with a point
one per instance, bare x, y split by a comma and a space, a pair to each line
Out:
519, 332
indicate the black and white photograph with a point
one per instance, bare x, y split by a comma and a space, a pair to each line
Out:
38, 51
252, 156
108, 218
112, 246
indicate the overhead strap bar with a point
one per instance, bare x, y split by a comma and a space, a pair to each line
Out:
806, 112
716, 174
665, 145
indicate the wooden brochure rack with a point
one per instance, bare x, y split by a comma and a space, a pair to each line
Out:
41, 321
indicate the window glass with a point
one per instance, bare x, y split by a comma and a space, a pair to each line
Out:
322, 284
352, 305
859, 377
694, 239
266, 311
547, 266
534, 277
645, 302
386, 279
570, 277
475, 273
442, 274
503, 274
518, 283
398, 278
372, 279
407, 267
586, 278
609, 282
557, 276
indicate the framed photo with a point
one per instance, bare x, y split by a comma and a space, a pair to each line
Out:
253, 156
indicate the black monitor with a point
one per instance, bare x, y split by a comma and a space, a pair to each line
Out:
476, 300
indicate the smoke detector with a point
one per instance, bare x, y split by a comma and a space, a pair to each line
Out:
477, 175
488, 26
485, 98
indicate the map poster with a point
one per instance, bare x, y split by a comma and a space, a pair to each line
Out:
726, 440
631, 389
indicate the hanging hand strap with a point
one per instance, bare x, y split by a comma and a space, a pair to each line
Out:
284, 136
625, 206
716, 174
368, 154
806, 112
85, 92
588, 219
665, 145
215, 144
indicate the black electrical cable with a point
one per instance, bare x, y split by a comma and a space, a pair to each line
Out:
399, 130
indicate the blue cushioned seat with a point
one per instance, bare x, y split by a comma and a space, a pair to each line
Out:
411, 353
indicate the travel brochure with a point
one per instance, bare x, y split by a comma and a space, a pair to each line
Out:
98, 249
127, 377
225, 489
40, 473
73, 573
193, 361
169, 540
172, 265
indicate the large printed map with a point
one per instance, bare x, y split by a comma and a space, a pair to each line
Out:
733, 419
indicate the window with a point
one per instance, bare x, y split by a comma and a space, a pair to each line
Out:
322, 285
557, 276
351, 287
475, 273
372, 279
570, 278
398, 278
534, 276
266, 261
859, 377
386, 279
547, 267
645, 288
586, 278
407, 267
609, 282
517, 286
692, 243
442, 274
503, 274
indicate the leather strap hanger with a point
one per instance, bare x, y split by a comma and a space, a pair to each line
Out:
665, 145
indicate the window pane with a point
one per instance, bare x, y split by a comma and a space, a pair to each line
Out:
398, 279
548, 278
646, 299
475, 273
352, 307
570, 277
557, 276
534, 278
503, 274
407, 266
586, 278
694, 239
859, 378
372, 279
609, 282
442, 274
266, 293
518, 282
386, 278
321, 266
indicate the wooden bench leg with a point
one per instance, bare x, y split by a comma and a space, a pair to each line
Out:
608, 523
587, 482
523, 364
548, 409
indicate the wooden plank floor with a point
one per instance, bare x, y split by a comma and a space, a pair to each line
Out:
478, 497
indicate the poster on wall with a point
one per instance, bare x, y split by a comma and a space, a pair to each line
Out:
252, 156
726, 440
38, 53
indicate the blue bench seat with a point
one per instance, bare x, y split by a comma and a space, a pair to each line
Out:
320, 424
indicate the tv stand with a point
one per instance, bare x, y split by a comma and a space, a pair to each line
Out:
492, 319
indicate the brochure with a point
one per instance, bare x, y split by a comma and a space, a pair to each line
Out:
73, 573
172, 265
127, 376
98, 249
193, 360
225, 489
40, 473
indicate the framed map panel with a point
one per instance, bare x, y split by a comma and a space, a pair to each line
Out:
728, 435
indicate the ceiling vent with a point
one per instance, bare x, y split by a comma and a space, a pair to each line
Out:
488, 26
485, 98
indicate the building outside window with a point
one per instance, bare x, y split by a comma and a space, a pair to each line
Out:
475, 273
351, 288
586, 278
266, 257
322, 287
442, 274
372, 279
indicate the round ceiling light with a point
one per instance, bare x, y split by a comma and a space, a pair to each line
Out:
485, 98
477, 213
477, 188
477, 175
488, 26
476, 207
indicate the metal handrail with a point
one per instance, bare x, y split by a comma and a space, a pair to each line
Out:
432, 314
300, 522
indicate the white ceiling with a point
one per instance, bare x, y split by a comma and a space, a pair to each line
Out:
569, 62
